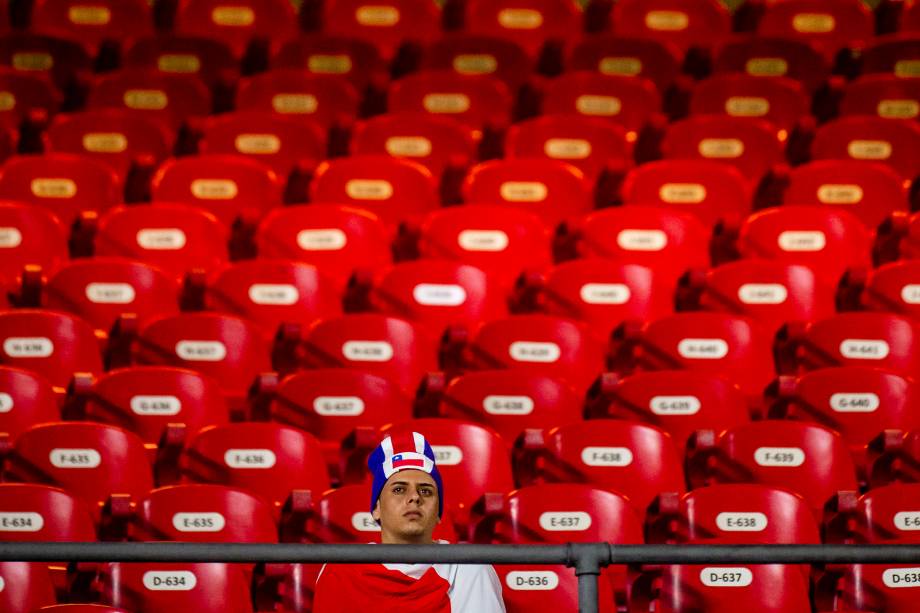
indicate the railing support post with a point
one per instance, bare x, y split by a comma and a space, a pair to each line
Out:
588, 559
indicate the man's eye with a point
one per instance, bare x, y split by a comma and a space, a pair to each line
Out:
425, 491
398, 489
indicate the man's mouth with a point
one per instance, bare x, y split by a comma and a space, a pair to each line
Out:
412, 514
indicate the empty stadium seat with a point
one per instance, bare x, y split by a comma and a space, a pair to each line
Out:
477, 54
704, 188
30, 235
627, 56
551, 188
63, 183
891, 288
342, 516
829, 27
805, 458
336, 239
236, 24
869, 587
147, 399
357, 60
684, 23
205, 514
26, 399
23, 94
527, 587
320, 98
763, 56
508, 401
897, 54
883, 95
27, 586
269, 460
679, 402
530, 24
209, 59
92, 25
635, 459
881, 515
388, 25
42, 513
62, 61
893, 142
91, 461
174, 237
897, 238
52, 344
171, 98
780, 100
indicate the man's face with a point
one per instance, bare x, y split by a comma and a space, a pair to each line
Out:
408, 508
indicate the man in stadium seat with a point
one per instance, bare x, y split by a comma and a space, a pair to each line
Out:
407, 499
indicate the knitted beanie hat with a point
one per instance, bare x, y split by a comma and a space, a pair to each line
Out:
401, 452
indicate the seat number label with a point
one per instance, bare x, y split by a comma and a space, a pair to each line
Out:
525, 351
368, 351
741, 522
609, 457
250, 458
156, 405
532, 580
198, 522
901, 577
28, 347
864, 349
338, 406
854, 403
75, 458
570, 521
201, 351
675, 405
726, 577
21, 522
508, 405
779, 456
170, 581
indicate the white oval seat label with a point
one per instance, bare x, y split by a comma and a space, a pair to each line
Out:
214, 189
702, 348
608, 457
275, 294
605, 293
779, 456
363, 521
21, 522
625, 66
675, 405
155, 405
6, 402
901, 577
834, 193
378, 16
233, 16
447, 455
726, 576
75, 458
907, 521
169, 580
898, 109
869, 149
763, 293
721, 148
437, 294
39, 62
855, 403
110, 293
520, 19
145, 99
483, 240
105, 142
258, 144
911, 293
446, 103
475, 63
53, 188
642, 240
667, 21
182, 63
369, 189
528, 351
201, 351
766, 67
295, 104
567, 148
814, 23
599, 106
338, 406
326, 239
7, 101
747, 106
28, 347
801, 240
198, 522
508, 405
161, 239
250, 458
741, 522
408, 146
10, 238
902, 68
864, 349
682, 193
532, 580
570, 521
368, 351
523, 191
88, 15
326, 63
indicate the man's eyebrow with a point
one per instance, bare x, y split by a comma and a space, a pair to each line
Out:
423, 483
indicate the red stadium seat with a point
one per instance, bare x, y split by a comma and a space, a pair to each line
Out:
508, 401
359, 61
679, 402
879, 340
91, 25
763, 56
64, 184
99, 290
859, 402
276, 140
60, 60
204, 514
225, 347
551, 188
637, 460
893, 142
704, 188
91, 461
896, 54
26, 587
237, 24
587, 143
723, 343
529, 24
898, 238
600, 293
342, 516
335, 239
378, 344
808, 459
320, 98
393, 188
893, 288
436, 142
26, 399
268, 460
735, 513
271, 292
627, 56
883, 95
229, 186
883, 514
780, 100
52, 344
540, 344
826, 239
870, 191
870, 587
147, 588
207, 58
42, 513
532, 587
829, 27
769, 292
388, 25
116, 137
749, 144
174, 237
628, 101
685, 23
147, 399
476, 101
500, 240
30, 235
474, 54
171, 98
22, 93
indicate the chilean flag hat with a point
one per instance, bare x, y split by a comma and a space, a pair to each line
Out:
401, 452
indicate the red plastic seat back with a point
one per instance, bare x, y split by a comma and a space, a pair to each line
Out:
58, 59
357, 60
52, 344
829, 27
781, 101
171, 98
473, 54
529, 23
533, 587
319, 98
30, 235
768, 57
27, 586
893, 142
266, 459
627, 56
627, 101
235, 24
92, 24
43, 513
209, 59
883, 95
893, 288
21, 92
685, 23
896, 54
878, 587
26, 399
887, 513
386, 24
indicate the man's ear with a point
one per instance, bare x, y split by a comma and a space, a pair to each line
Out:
376, 512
